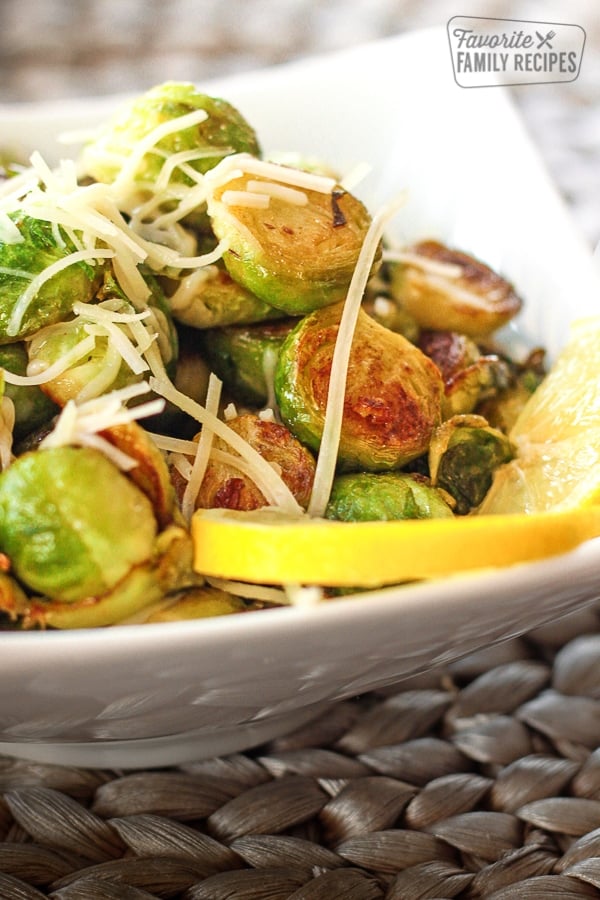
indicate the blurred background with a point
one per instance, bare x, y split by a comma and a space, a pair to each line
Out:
53, 49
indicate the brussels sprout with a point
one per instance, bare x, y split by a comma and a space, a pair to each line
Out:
200, 602
243, 357
60, 510
103, 368
32, 407
391, 314
469, 376
463, 456
296, 257
393, 391
151, 473
228, 487
224, 131
209, 298
383, 496
503, 409
445, 289
21, 261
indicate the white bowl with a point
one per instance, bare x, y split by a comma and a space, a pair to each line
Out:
162, 694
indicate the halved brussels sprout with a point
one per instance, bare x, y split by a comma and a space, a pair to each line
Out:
209, 298
469, 376
244, 357
22, 261
72, 525
224, 131
464, 453
389, 313
384, 496
503, 408
32, 407
200, 602
445, 289
295, 256
393, 391
227, 487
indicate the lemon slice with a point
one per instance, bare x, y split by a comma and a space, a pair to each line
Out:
557, 436
542, 503
268, 547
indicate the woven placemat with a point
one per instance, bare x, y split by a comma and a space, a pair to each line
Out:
481, 780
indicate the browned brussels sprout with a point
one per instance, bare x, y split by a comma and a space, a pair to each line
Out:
297, 251
463, 456
393, 391
384, 496
227, 486
503, 409
445, 289
469, 376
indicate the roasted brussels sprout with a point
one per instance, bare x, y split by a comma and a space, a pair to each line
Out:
391, 314
384, 496
393, 391
244, 357
227, 486
200, 602
209, 298
445, 289
223, 131
60, 510
503, 408
32, 407
470, 377
463, 456
21, 261
296, 256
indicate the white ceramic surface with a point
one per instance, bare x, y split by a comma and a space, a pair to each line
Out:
163, 694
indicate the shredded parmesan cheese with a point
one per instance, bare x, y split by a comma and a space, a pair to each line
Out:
270, 484
40, 375
435, 266
245, 198
78, 425
250, 591
239, 163
213, 396
147, 143
280, 191
334, 411
35, 285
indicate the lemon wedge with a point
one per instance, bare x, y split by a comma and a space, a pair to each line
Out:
542, 503
557, 436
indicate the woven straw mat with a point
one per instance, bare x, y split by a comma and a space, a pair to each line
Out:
481, 780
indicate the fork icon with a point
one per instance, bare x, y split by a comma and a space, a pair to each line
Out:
545, 41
